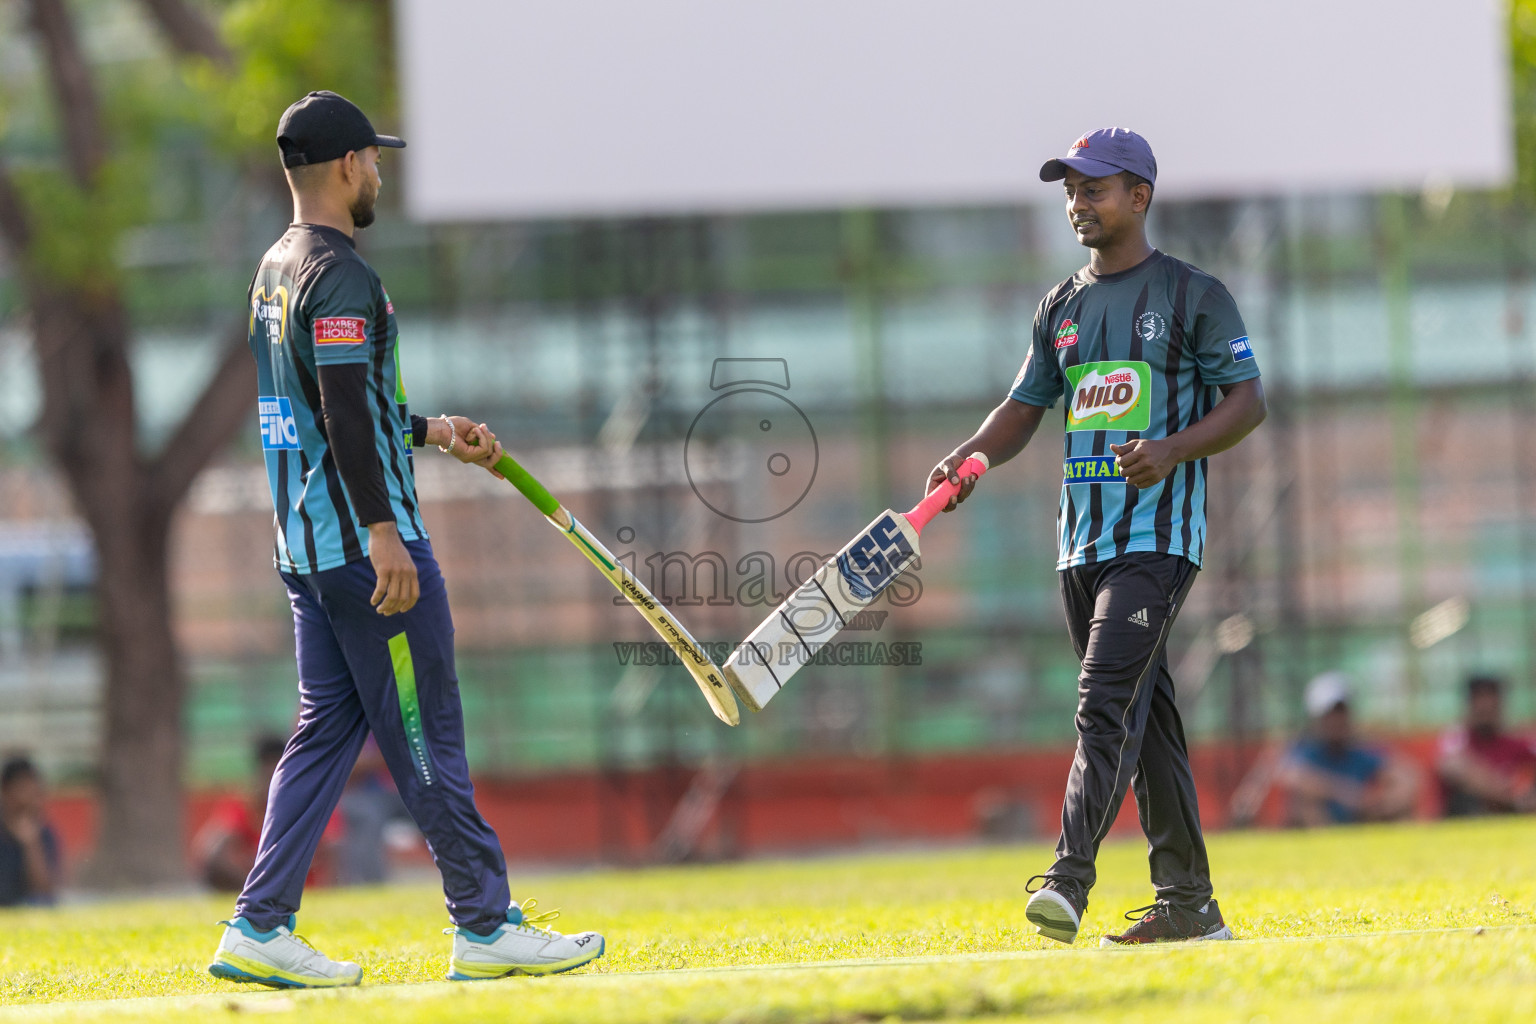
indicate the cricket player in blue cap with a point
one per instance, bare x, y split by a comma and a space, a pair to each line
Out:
1154, 367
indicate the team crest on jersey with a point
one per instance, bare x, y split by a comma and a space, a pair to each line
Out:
1066, 334
339, 330
1110, 396
1151, 326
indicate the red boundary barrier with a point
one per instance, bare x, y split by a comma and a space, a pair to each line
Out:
790, 807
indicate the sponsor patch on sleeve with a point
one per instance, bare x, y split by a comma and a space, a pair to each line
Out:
340, 330
1240, 349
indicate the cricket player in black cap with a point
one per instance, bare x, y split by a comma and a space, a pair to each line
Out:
374, 634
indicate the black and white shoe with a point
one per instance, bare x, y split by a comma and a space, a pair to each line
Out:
1167, 922
1056, 908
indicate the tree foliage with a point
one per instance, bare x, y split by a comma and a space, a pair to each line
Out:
154, 103
109, 95
1522, 86
287, 48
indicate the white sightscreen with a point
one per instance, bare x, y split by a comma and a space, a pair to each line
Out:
517, 108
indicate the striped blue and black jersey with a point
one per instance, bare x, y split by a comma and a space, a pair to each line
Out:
317, 308
1141, 353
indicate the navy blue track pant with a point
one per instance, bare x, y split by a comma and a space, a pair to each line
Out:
394, 675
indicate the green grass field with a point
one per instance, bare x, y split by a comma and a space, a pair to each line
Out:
1394, 923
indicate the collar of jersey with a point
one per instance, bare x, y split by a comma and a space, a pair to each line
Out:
325, 229
1120, 275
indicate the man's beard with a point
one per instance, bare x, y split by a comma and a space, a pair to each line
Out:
362, 207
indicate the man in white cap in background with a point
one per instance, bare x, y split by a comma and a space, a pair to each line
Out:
1331, 777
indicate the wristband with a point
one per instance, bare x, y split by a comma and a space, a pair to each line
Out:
453, 437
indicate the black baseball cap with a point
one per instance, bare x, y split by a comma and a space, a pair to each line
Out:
1102, 153
324, 126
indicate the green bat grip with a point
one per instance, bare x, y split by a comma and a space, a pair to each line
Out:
532, 490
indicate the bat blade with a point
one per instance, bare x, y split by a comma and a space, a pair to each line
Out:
690, 652
847, 583
710, 679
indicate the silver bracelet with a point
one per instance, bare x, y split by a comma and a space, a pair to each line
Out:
453, 436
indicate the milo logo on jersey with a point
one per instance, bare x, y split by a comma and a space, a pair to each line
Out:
1110, 396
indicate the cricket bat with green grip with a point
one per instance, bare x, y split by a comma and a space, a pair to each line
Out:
693, 656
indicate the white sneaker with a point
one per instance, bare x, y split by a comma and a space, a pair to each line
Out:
520, 947
278, 959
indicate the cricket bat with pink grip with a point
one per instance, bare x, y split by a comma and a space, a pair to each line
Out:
845, 585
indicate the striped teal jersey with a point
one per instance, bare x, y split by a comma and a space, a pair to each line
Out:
1141, 353
314, 302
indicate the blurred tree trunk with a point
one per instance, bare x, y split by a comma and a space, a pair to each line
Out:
88, 428
82, 335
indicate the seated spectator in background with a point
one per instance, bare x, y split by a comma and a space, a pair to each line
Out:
368, 806
1482, 768
225, 847
1331, 777
29, 850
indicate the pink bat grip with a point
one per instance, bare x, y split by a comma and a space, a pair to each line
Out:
937, 498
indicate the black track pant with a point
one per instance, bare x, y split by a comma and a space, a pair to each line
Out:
1119, 613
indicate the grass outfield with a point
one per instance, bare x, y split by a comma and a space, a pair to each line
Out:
1389, 923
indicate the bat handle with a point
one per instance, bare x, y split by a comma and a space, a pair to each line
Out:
531, 488
937, 498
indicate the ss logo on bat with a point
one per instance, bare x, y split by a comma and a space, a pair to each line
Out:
874, 559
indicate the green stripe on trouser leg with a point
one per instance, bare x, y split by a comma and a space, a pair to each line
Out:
410, 707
